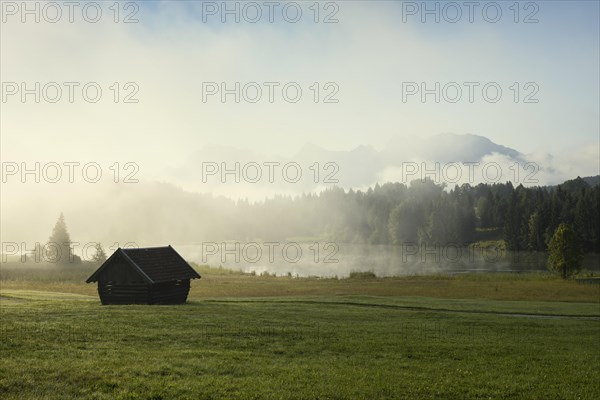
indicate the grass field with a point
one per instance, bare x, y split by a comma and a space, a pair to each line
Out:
249, 337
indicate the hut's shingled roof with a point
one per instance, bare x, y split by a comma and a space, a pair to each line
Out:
155, 264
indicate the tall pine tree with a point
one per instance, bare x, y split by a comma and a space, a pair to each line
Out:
58, 247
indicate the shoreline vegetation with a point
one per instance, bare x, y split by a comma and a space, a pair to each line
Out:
222, 282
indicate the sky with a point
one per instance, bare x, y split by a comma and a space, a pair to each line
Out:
361, 66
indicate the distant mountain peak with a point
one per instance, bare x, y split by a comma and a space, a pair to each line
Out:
364, 165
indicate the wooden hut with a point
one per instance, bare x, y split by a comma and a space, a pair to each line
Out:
154, 275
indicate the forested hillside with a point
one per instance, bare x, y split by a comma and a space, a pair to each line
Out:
393, 213
426, 213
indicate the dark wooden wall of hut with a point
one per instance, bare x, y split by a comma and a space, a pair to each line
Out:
122, 293
169, 292
121, 284
141, 293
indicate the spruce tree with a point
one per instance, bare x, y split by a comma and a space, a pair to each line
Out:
58, 248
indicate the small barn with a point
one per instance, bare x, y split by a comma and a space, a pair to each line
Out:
153, 275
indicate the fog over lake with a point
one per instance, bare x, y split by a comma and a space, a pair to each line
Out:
329, 259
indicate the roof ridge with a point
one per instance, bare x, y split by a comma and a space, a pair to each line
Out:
136, 266
147, 248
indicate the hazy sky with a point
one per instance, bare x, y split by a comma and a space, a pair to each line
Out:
368, 54
368, 58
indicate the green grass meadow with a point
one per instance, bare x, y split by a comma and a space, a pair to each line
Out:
63, 344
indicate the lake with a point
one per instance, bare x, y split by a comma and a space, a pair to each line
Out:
329, 259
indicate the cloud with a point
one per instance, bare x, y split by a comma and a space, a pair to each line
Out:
368, 54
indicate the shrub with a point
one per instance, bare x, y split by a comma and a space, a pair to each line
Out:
362, 275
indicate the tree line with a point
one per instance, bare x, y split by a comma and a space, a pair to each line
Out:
424, 212
58, 249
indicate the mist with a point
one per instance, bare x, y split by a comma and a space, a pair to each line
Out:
392, 229
159, 160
